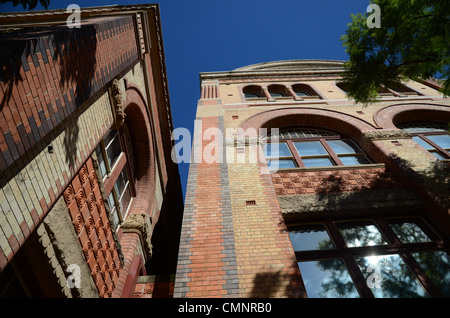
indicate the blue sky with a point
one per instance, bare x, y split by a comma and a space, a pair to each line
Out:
221, 35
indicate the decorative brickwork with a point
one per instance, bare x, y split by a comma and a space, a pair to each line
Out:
333, 181
92, 225
45, 76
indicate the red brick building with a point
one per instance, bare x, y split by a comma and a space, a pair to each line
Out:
345, 201
90, 200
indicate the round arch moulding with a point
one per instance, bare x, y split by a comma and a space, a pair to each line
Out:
388, 116
320, 118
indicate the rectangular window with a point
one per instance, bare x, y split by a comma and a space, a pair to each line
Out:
115, 172
378, 257
327, 278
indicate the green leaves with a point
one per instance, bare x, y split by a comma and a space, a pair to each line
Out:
412, 43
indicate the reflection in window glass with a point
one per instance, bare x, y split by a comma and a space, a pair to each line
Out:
442, 141
317, 162
438, 155
310, 148
274, 150
362, 233
437, 266
354, 160
327, 279
389, 277
422, 142
280, 164
310, 237
409, 231
343, 146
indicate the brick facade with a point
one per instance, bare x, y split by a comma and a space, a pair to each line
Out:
61, 90
261, 205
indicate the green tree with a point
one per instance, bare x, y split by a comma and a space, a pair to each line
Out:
31, 4
412, 42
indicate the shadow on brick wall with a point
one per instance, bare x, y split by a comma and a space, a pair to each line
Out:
277, 284
46, 68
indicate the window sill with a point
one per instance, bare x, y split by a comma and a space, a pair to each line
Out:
352, 167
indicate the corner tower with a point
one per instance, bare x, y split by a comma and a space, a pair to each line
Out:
336, 189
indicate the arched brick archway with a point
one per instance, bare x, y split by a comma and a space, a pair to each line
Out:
139, 127
387, 117
334, 120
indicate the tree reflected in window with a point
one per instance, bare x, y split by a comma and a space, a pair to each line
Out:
348, 259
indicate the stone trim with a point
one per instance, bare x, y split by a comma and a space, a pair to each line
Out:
345, 201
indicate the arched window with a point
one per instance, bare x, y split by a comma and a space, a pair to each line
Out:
302, 90
311, 147
277, 91
252, 91
432, 136
115, 158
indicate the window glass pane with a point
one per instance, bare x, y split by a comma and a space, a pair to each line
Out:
310, 237
110, 135
436, 264
327, 279
113, 150
442, 141
113, 210
354, 160
310, 148
422, 142
302, 93
343, 146
276, 94
111, 202
101, 161
361, 233
317, 162
121, 182
251, 95
275, 150
389, 277
280, 164
438, 155
125, 199
409, 230
421, 127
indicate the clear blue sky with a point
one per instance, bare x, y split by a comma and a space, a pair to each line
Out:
221, 35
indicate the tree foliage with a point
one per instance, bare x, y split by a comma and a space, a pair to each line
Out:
31, 4
412, 42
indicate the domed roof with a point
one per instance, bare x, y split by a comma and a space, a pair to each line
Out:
293, 65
